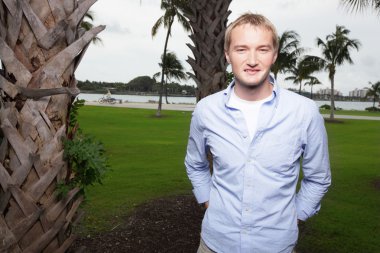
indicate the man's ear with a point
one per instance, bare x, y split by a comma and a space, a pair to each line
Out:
275, 58
227, 57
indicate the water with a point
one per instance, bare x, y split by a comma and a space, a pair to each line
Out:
345, 105
139, 99
348, 105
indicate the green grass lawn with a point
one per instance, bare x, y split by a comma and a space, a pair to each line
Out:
146, 155
349, 220
351, 112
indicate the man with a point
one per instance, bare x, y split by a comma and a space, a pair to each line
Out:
257, 133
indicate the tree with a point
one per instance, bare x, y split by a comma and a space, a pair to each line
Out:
312, 81
360, 5
141, 83
374, 91
40, 48
173, 70
173, 9
208, 20
335, 51
86, 24
289, 51
300, 72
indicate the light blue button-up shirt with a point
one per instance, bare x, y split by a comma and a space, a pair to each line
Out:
253, 205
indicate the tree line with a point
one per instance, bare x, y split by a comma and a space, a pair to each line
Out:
138, 85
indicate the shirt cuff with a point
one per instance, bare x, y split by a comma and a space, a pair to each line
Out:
202, 193
303, 212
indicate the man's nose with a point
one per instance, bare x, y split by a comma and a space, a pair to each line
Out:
252, 58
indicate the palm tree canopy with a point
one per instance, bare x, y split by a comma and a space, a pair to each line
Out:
361, 5
288, 52
335, 50
313, 81
173, 67
172, 8
301, 71
87, 25
374, 90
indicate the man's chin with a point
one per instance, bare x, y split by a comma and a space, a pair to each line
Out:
251, 84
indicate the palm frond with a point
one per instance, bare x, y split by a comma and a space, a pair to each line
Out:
156, 26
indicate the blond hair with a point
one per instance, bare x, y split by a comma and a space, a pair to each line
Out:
254, 20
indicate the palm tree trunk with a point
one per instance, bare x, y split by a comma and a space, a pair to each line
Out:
311, 91
299, 90
332, 98
161, 89
208, 20
40, 48
166, 91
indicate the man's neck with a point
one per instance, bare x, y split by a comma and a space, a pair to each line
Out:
253, 94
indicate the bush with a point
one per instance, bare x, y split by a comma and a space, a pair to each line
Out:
325, 107
372, 109
328, 107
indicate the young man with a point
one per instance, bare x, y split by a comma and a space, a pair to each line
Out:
257, 134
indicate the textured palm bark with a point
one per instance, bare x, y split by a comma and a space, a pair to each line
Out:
208, 20
41, 45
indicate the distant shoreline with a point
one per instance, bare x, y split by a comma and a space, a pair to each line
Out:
134, 93
343, 99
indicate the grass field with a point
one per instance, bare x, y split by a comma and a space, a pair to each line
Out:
351, 112
146, 155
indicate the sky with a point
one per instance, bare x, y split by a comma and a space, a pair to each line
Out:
128, 49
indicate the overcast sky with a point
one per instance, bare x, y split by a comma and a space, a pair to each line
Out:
129, 51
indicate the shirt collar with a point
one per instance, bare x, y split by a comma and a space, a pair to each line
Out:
276, 91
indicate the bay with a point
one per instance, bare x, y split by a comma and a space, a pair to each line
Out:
345, 105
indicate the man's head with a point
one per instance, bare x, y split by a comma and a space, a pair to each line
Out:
251, 44
256, 20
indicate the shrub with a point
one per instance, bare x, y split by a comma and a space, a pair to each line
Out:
372, 109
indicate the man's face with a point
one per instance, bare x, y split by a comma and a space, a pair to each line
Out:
251, 55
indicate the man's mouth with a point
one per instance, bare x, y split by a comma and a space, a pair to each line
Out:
251, 71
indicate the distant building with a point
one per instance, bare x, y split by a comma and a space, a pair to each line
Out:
327, 91
358, 93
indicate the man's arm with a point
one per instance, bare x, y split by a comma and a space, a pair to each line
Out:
315, 166
197, 166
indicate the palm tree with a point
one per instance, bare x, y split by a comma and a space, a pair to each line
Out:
335, 51
288, 52
208, 20
312, 81
173, 9
86, 24
360, 5
374, 91
173, 70
300, 72
40, 49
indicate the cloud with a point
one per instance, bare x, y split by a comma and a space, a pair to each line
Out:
117, 28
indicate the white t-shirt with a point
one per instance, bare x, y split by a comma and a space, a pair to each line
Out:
250, 110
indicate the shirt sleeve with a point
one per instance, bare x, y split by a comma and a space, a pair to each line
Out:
315, 166
197, 166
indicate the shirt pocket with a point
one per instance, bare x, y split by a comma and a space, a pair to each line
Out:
278, 153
